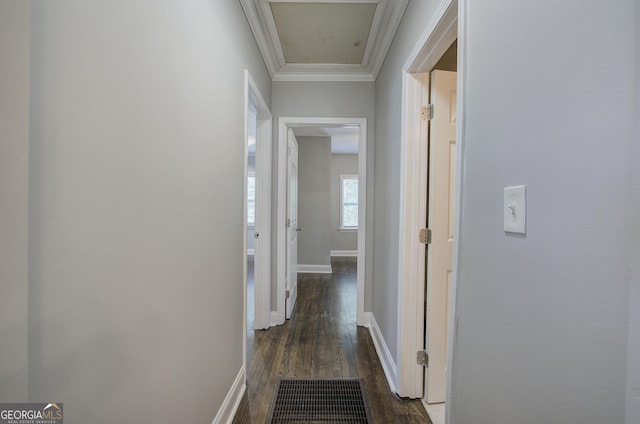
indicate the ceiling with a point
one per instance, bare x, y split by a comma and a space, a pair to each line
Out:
344, 139
324, 40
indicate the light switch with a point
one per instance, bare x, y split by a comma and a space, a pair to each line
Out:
515, 209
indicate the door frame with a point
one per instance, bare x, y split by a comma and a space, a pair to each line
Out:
446, 25
262, 264
284, 123
291, 228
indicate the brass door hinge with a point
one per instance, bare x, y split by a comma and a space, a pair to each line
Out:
423, 358
425, 235
427, 112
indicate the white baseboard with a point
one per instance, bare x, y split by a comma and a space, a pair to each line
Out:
436, 412
388, 365
345, 253
367, 317
315, 269
229, 407
251, 252
275, 319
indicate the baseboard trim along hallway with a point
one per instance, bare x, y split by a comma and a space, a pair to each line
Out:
344, 253
388, 364
229, 407
315, 269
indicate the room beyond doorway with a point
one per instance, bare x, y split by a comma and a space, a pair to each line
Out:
286, 124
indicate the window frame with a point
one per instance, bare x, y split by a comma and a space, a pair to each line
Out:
344, 177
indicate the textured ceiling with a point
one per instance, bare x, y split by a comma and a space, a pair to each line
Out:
324, 40
323, 32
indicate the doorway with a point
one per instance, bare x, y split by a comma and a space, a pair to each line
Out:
435, 49
257, 212
286, 124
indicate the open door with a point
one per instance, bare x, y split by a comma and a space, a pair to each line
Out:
291, 283
442, 154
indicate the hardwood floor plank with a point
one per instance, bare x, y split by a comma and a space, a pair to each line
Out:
321, 341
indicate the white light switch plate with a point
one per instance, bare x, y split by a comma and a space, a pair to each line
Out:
515, 209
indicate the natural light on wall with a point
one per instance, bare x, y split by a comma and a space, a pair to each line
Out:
251, 199
348, 201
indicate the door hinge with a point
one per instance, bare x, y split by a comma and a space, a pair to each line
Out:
288, 222
425, 235
287, 294
423, 358
427, 112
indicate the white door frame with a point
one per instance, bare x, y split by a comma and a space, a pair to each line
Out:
278, 316
293, 224
262, 265
445, 26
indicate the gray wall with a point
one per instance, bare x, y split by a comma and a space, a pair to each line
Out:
633, 363
341, 164
314, 201
387, 166
135, 296
543, 319
14, 193
335, 100
542, 331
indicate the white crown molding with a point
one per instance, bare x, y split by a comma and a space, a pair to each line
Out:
258, 26
385, 23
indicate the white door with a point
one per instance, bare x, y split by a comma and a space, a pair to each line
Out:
291, 283
442, 153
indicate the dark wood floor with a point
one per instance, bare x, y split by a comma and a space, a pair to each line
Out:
321, 340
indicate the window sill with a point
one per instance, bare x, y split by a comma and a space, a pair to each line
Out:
348, 230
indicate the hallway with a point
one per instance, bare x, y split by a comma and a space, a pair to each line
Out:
321, 340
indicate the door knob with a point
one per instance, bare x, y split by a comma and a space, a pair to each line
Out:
299, 229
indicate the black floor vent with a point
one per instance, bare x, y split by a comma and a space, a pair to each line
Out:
319, 401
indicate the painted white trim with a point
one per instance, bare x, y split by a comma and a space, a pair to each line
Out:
275, 319
257, 24
262, 264
315, 269
366, 320
384, 354
291, 122
435, 411
384, 26
439, 33
293, 298
229, 406
412, 216
251, 252
344, 253
457, 215
313, 75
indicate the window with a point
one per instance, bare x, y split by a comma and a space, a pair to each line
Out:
348, 201
251, 199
